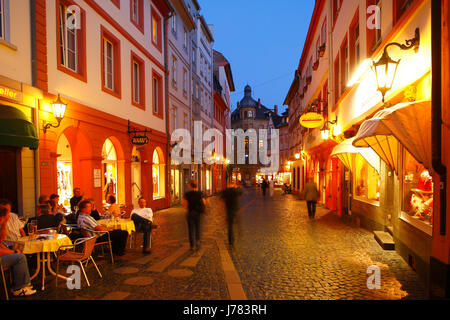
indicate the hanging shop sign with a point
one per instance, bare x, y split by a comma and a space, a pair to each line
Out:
139, 136
10, 94
312, 120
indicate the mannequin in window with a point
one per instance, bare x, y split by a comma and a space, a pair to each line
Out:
110, 188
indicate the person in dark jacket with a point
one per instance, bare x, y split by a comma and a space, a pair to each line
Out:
311, 196
45, 219
231, 197
194, 202
264, 186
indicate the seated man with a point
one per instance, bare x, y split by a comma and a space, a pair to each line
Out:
85, 221
76, 199
15, 260
14, 227
143, 219
46, 220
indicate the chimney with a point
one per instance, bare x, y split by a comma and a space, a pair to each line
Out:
276, 109
259, 103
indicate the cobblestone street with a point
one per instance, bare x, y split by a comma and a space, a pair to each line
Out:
279, 254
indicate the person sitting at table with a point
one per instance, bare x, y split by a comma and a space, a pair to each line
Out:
55, 207
15, 260
113, 210
14, 227
76, 199
94, 212
46, 219
86, 222
143, 220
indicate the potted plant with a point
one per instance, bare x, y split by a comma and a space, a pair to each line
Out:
315, 65
322, 50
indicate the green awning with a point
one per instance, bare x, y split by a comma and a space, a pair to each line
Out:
16, 130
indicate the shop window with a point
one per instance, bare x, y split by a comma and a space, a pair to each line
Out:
417, 192
367, 181
158, 176
110, 64
64, 171
109, 168
71, 40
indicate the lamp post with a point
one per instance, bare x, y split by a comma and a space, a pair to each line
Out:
59, 109
386, 68
325, 131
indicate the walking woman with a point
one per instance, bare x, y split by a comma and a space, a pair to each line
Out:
311, 196
194, 202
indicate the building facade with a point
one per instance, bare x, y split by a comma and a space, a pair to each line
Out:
383, 181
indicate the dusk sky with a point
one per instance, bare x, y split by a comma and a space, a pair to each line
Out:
262, 40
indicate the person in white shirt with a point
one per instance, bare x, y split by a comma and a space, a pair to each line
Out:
14, 227
143, 220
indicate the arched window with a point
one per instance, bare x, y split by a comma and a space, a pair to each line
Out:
158, 176
245, 114
64, 171
109, 167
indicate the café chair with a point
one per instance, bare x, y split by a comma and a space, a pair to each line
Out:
3, 279
87, 233
72, 256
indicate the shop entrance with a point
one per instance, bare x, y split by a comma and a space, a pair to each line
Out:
136, 186
109, 170
175, 185
346, 191
64, 171
8, 175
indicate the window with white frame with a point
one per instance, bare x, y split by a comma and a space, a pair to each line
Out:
155, 85
185, 39
108, 49
68, 39
174, 23
135, 11
174, 71
173, 118
184, 80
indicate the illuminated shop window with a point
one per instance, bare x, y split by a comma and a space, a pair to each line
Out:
109, 168
158, 176
367, 181
417, 190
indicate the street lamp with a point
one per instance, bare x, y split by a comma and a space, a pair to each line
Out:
386, 68
59, 109
297, 156
325, 131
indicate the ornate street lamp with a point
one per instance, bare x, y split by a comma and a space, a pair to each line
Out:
59, 109
325, 131
386, 68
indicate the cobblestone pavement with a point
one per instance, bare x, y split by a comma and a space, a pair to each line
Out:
279, 254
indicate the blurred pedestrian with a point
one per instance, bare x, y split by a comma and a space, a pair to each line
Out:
311, 196
271, 187
195, 203
264, 186
231, 197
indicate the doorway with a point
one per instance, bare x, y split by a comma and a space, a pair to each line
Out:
346, 191
64, 171
136, 186
8, 175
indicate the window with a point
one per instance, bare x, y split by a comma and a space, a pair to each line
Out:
3, 17
344, 66
336, 80
116, 3
417, 192
110, 63
137, 14
250, 114
173, 119
185, 121
71, 40
156, 30
378, 30
174, 71
185, 40
158, 176
138, 81
367, 181
157, 95
400, 7
174, 23
336, 8
324, 32
355, 55
184, 81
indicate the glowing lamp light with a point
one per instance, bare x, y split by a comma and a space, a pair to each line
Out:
297, 156
59, 109
325, 131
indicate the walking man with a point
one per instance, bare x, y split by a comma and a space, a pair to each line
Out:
311, 195
231, 197
195, 202
264, 186
143, 220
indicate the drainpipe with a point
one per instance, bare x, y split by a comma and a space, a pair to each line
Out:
37, 172
436, 110
166, 66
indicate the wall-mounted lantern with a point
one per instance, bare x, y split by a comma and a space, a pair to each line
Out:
59, 109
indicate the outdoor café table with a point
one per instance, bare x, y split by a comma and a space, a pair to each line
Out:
121, 224
43, 248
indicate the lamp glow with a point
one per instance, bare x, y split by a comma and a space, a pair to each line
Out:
59, 110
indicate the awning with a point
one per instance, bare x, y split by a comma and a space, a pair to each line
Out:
345, 152
16, 130
406, 123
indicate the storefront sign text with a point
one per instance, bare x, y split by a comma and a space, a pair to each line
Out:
11, 94
140, 140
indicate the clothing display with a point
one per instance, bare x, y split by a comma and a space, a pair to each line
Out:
421, 203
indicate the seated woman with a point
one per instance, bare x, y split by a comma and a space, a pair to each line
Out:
15, 260
55, 206
113, 210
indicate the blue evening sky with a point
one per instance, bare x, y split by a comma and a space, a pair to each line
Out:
262, 40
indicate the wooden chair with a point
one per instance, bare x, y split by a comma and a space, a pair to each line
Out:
89, 232
3, 279
71, 256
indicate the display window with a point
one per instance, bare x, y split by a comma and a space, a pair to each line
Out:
367, 181
158, 176
208, 180
109, 168
64, 171
417, 193
175, 184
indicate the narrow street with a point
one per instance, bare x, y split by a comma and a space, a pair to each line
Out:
279, 254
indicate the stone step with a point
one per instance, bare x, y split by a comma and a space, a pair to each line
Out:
385, 240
